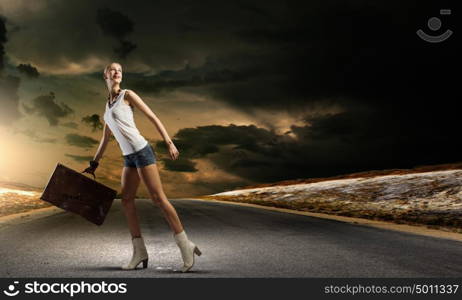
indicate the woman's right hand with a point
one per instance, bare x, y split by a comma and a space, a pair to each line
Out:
92, 168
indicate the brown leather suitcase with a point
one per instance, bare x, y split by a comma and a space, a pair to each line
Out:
75, 192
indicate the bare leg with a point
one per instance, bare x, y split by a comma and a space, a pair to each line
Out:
150, 176
130, 183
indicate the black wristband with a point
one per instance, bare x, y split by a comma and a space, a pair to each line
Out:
94, 164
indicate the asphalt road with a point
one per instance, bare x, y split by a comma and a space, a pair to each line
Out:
235, 241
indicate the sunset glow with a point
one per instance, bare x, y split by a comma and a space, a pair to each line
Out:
19, 192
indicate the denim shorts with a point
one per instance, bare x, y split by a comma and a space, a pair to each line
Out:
140, 158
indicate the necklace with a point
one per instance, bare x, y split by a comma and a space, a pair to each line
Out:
111, 103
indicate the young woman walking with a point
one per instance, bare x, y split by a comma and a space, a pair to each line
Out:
139, 163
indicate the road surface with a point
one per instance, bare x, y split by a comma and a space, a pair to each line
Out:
236, 241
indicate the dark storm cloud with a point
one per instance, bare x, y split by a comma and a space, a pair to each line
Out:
29, 70
3, 40
180, 165
328, 145
79, 158
124, 48
381, 138
398, 93
214, 71
358, 54
72, 125
46, 106
253, 153
9, 85
247, 151
336, 51
93, 121
118, 26
80, 140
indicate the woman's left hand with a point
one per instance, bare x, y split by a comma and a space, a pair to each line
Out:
173, 151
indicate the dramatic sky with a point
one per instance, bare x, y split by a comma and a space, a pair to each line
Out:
249, 91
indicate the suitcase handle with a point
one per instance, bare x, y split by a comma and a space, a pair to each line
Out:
84, 171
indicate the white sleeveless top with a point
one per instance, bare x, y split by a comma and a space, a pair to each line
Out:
120, 120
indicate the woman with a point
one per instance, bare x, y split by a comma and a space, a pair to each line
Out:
139, 162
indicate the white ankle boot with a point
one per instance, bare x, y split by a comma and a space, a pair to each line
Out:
139, 255
187, 249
